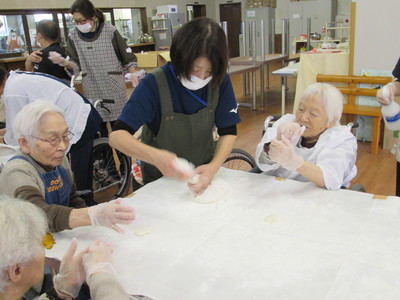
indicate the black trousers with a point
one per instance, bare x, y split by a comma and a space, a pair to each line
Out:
82, 166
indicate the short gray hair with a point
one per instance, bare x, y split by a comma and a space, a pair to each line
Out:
27, 121
22, 228
331, 98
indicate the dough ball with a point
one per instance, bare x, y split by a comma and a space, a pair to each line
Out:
143, 230
183, 165
195, 179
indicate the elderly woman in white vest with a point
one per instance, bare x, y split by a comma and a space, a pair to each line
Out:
24, 237
311, 145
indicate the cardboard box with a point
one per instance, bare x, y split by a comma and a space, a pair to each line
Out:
167, 9
152, 59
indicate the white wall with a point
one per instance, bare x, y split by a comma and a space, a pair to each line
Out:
377, 44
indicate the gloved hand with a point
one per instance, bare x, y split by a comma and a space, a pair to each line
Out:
110, 213
137, 76
282, 152
291, 130
98, 259
72, 275
57, 59
385, 96
186, 167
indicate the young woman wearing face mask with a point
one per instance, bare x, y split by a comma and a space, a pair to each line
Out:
100, 51
179, 104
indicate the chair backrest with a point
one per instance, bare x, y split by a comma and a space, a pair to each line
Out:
352, 90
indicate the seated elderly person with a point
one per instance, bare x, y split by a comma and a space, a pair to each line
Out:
22, 88
40, 173
311, 145
23, 231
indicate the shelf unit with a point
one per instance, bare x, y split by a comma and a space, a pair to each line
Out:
159, 23
164, 27
332, 27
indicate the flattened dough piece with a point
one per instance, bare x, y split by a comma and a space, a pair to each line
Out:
271, 219
143, 230
217, 190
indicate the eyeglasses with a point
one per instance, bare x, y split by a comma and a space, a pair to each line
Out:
79, 22
48, 241
57, 140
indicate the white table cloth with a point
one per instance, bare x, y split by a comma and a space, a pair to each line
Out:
267, 239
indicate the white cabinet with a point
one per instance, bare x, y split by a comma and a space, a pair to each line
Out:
267, 14
163, 28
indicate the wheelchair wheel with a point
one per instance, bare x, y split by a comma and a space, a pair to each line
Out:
358, 188
108, 182
240, 160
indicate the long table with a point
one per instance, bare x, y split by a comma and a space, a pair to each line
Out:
244, 69
262, 63
290, 70
267, 239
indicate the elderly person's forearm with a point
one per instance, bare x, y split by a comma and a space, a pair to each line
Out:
79, 217
313, 173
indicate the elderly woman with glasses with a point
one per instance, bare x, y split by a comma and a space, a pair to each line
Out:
311, 145
23, 231
40, 172
22, 88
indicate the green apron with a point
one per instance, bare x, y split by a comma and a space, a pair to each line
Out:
189, 136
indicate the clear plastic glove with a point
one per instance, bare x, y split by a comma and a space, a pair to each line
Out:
72, 275
291, 130
137, 76
111, 213
98, 259
282, 152
58, 59
385, 96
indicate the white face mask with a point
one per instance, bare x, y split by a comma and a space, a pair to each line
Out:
195, 83
85, 28
39, 44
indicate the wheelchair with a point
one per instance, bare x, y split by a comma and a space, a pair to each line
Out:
111, 168
241, 160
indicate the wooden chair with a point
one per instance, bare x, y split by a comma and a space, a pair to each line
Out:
351, 108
